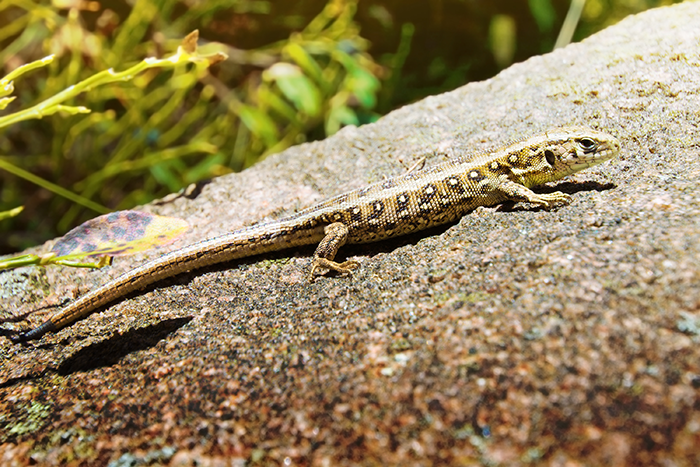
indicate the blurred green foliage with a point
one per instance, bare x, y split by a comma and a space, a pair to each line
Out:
164, 129
186, 53
298, 71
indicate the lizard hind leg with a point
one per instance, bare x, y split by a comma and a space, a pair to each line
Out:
336, 236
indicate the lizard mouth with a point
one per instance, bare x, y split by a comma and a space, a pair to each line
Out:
575, 161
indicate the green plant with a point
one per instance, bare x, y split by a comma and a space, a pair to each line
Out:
186, 53
161, 131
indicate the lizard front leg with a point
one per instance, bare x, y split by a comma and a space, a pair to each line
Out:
517, 192
336, 236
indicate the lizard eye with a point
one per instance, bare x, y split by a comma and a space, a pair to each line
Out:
587, 144
549, 156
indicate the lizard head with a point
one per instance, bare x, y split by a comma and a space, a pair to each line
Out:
564, 151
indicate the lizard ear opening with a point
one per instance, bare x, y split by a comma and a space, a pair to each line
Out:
549, 156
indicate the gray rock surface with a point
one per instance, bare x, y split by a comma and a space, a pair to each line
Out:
515, 336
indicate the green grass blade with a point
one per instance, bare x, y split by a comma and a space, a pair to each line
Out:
30, 177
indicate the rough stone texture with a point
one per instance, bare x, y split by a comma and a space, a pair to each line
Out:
563, 337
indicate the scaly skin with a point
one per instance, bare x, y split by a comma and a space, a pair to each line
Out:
414, 201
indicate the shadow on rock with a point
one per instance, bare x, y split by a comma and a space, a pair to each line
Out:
576, 187
109, 352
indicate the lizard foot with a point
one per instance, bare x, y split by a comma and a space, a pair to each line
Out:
345, 267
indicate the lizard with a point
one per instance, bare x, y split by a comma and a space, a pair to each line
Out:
413, 201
